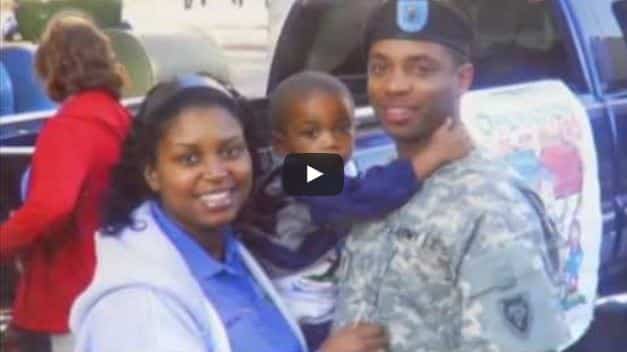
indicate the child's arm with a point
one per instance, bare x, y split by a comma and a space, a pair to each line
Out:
383, 189
380, 190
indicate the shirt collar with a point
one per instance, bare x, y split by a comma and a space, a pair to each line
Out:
201, 263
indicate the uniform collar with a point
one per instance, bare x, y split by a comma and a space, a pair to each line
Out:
201, 263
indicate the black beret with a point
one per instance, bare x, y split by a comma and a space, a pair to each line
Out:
427, 20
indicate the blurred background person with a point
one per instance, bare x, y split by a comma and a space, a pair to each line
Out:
52, 233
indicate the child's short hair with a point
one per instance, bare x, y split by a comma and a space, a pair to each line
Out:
301, 86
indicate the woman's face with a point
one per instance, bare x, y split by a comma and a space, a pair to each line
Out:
203, 170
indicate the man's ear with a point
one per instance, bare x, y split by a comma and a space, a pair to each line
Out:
465, 74
279, 142
151, 178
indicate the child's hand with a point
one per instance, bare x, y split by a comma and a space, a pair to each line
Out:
362, 337
449, 142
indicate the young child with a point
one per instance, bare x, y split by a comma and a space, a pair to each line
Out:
297, 240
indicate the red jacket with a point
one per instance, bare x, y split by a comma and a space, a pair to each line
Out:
53, 232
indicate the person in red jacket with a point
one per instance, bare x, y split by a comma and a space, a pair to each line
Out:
52, 233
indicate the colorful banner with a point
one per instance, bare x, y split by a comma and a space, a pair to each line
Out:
542, 131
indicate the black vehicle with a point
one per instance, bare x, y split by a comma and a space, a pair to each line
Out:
579, 43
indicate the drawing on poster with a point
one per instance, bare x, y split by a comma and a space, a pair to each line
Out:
544, 145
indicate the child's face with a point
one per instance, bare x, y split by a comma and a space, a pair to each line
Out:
320, 123
203, 170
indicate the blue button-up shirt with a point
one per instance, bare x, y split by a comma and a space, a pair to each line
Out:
252, 321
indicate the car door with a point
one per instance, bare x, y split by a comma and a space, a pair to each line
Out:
603, 45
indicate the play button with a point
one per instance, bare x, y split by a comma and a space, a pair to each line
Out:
313, 174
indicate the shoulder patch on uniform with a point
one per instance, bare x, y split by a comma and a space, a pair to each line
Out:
516, 312
412, 15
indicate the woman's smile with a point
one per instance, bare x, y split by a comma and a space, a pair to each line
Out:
219, 200
203, 171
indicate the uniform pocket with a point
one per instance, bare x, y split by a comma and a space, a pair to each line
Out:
419, 255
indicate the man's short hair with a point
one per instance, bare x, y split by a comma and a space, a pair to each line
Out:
459, 58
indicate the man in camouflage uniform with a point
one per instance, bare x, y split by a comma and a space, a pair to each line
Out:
465, 265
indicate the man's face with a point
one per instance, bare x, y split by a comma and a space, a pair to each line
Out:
414, 86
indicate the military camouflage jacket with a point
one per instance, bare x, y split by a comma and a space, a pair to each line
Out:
463, 266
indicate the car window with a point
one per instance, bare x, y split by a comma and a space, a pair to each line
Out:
517, 41
605, 41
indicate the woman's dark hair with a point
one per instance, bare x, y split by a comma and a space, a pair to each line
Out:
161, 106
74, 55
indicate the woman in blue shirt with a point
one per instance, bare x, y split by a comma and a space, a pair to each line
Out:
171, 275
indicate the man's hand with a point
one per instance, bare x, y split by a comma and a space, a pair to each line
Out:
362, 337
450, 142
